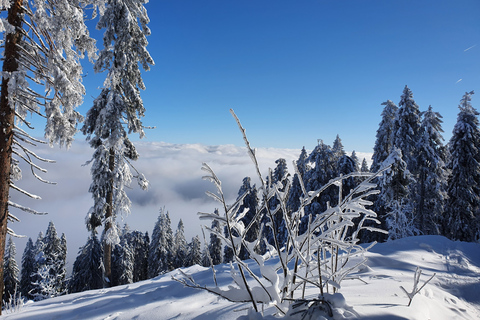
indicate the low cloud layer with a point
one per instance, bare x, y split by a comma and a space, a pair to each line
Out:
175, 176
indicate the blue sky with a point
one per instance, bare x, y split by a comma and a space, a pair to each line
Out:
298, 71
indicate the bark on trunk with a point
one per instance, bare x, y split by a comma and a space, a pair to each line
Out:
7, 118
107, 249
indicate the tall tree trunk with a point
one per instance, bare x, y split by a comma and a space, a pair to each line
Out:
7, 118
107, 249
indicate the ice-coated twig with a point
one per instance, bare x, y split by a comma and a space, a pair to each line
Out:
416, 280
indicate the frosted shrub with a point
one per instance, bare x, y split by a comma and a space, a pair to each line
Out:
14, 304
319, 257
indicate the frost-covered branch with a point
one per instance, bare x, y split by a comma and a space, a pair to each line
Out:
416, 280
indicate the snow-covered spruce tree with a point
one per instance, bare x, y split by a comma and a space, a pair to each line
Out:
354, 157
41, 74
407, 129
49, 266
383, 147
280, 177
345, 166
317, 257
115, 113
194, 255
384, 139
432, 175
38, 264
337, 148
28, 263
62, 258
160, 252
87, 271
250, 203
394, 196
296, 191
139, 243
153, 256
215, 245
463, 188
11, 272
54, 253
45, 283
364, 167
227, 250
122, 262
324, 169
180, 246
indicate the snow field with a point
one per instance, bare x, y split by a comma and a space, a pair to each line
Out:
454, 293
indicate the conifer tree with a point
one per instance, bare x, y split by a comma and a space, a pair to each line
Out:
227, 251
382, 149
28, 263
49, 266
347, 165
44, 42
293, 202
280, 177
407, 130
194, 255
324, 169
337, 148
122, 262
394, 195
87, 271
463, 187
38, 265
116, 112
364, 167
215, 246
355, 160
385, 135
250, 203
54, 253
302, 162
139, 245
432, 176
180, 248
11, 273
153, 257
161, 247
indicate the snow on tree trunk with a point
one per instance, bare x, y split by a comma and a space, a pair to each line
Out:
7, 118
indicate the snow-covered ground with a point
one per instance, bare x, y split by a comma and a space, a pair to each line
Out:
454, 293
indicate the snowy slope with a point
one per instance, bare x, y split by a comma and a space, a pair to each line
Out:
454, 293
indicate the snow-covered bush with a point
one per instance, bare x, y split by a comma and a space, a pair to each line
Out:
14, 304
318, 257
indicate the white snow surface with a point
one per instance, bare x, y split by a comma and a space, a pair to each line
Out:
454, 293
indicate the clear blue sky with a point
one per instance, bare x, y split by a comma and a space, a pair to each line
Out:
298, 71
